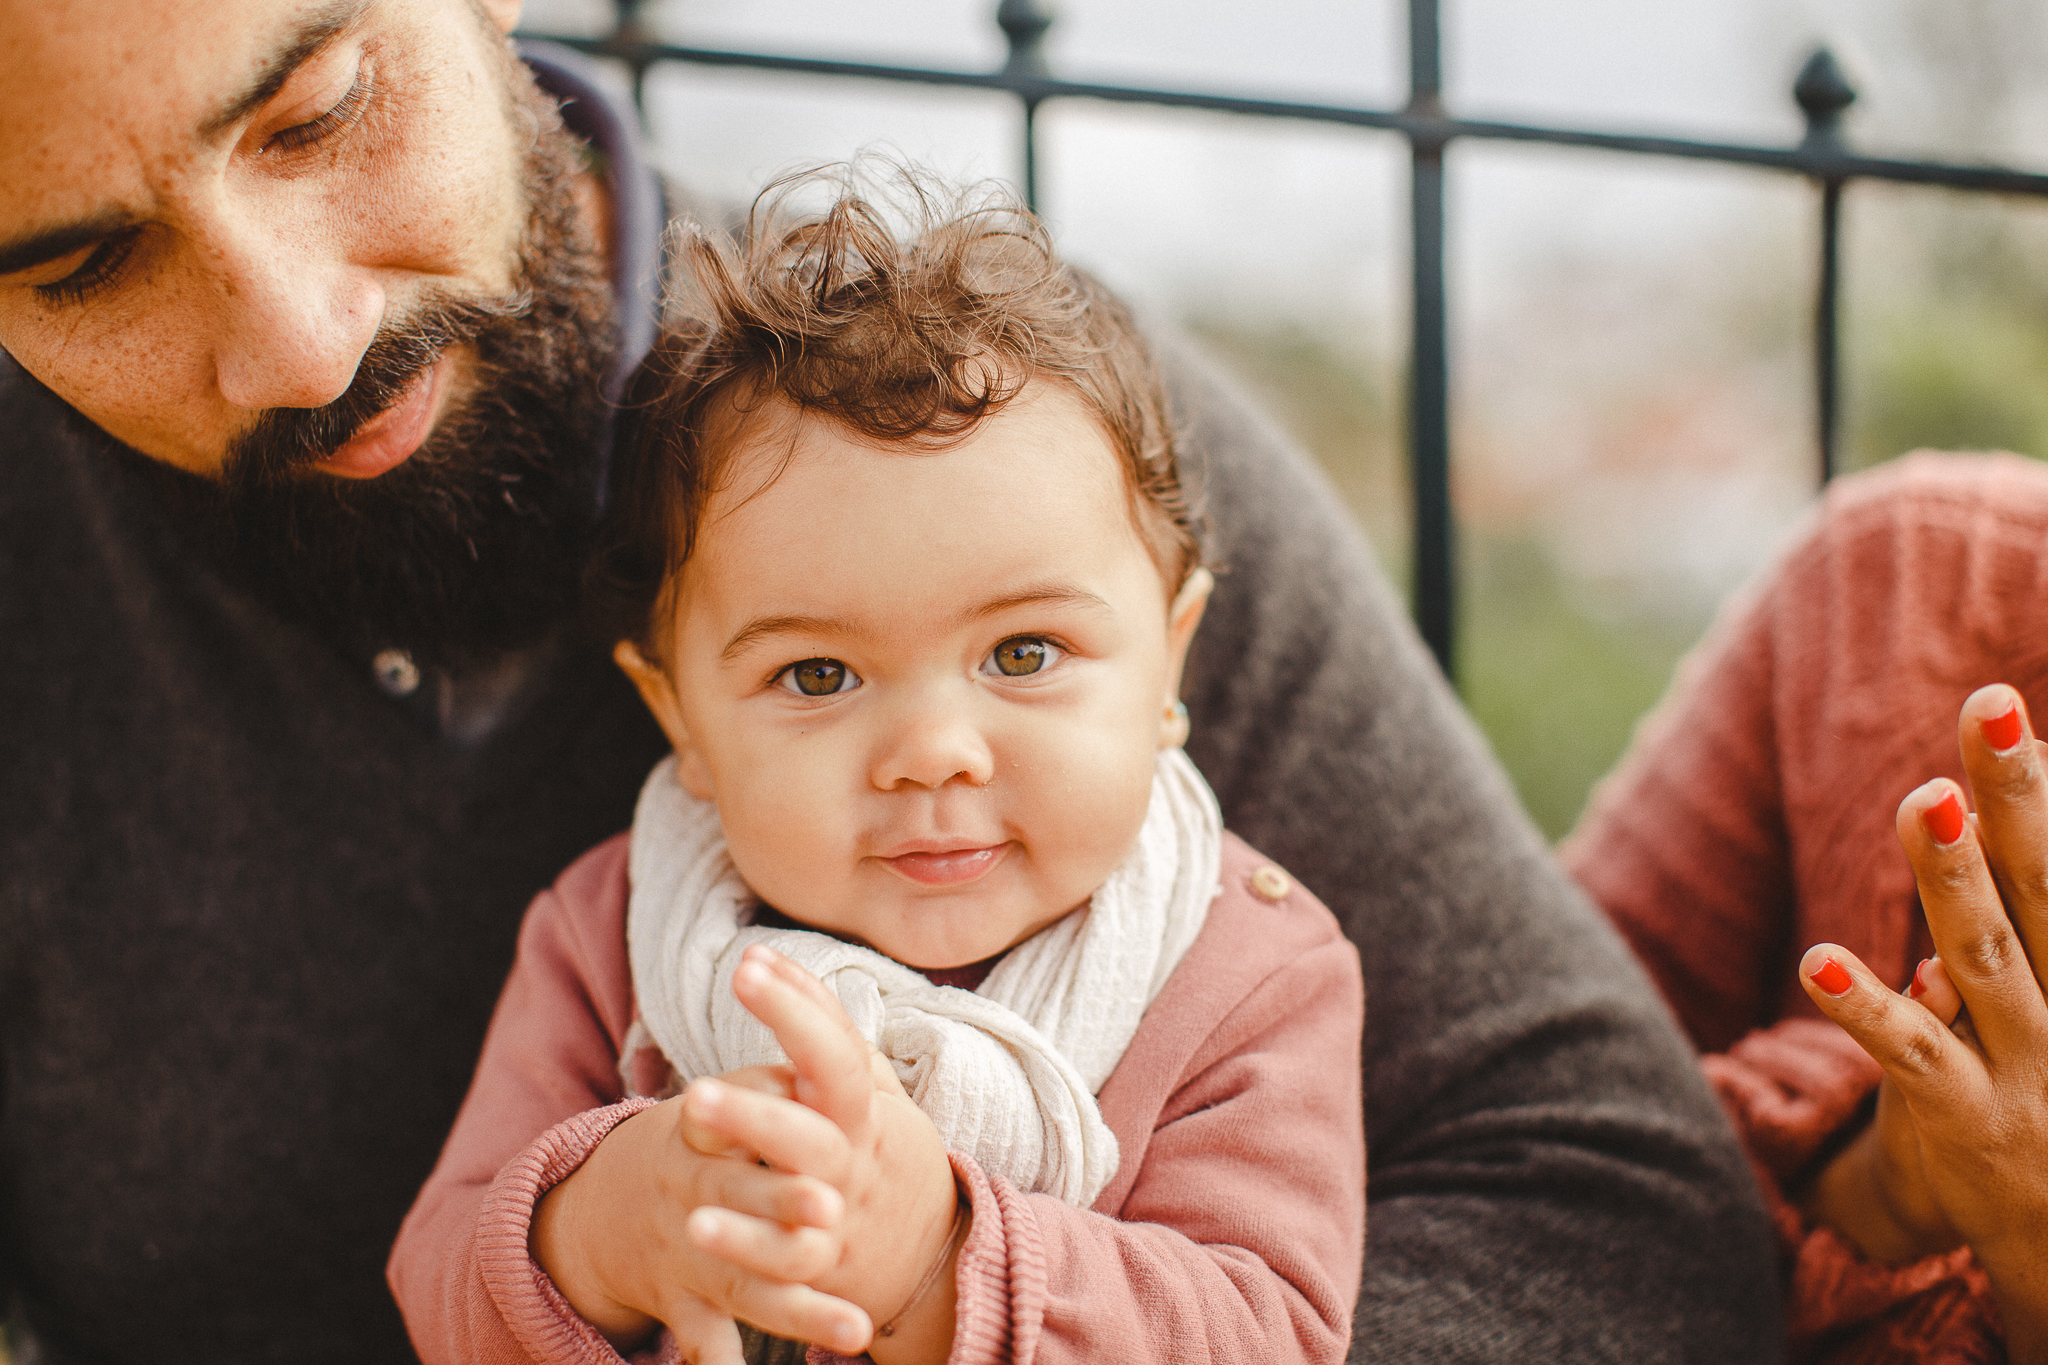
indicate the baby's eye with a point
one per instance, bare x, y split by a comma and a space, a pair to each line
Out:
1021, 655
817, 678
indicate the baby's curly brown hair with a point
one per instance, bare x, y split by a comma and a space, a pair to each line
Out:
909, 339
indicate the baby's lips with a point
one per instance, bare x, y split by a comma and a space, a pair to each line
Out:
950, 867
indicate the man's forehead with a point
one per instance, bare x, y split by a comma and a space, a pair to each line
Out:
101, 93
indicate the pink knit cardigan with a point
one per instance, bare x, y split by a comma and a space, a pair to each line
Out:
1753, 816
1233, 1230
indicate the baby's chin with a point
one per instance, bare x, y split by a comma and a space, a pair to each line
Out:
939, 933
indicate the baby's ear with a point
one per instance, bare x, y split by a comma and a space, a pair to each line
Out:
1183, 614
660, 695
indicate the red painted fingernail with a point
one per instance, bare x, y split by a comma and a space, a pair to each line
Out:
1944, 819
1919, 986
2003, 732
1833, 977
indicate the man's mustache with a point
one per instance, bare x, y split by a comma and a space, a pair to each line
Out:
285, 442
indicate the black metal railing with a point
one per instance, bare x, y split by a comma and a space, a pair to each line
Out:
1823, 156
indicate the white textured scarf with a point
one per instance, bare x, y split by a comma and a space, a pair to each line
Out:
1008, 1074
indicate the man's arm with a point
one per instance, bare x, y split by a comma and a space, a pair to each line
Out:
1550, 1179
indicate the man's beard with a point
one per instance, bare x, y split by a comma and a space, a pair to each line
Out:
473, 546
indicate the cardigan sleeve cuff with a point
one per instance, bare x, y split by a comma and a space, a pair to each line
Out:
540, 1319
998, 1280
1794, 1090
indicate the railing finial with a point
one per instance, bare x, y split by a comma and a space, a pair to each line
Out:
1024, 23
1824, 92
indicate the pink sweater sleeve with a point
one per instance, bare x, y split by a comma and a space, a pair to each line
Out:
546, 1092
1239, 1238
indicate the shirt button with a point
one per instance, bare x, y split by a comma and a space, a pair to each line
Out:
1270, 883
397, 675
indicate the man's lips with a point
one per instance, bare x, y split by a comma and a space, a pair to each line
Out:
389, 439
946, 867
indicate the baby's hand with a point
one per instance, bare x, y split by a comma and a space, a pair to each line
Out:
851, 1126
613, 1239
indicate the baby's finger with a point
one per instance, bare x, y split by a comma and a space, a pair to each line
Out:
1929, 1064
765, 1080
827, 1051
1978, 943
879, 1069
1935, 992
789, 1136
801, 1313
743, 1187
764, 1247
704, 1335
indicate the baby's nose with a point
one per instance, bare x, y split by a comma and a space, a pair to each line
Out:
931, 747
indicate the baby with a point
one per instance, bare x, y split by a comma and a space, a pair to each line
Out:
927, 1010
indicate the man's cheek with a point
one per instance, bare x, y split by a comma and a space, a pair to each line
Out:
440, 194
138, 385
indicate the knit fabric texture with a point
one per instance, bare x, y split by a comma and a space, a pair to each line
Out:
254, 913
1754, 816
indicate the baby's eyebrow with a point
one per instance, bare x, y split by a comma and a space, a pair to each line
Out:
1038, 595
1046, 594
764, 626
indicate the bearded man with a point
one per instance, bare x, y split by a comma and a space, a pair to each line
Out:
312, 312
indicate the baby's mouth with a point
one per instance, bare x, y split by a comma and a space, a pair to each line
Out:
948, 867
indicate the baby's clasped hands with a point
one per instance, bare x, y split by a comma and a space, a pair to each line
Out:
848, 1125
852, 1217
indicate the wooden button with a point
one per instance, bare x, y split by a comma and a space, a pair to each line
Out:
1270, 883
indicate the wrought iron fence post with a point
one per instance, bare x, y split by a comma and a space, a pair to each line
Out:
630, 40
1429, 425
1024, 23
1824, 157
1823, 93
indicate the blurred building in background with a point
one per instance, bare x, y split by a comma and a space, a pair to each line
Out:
1632, 393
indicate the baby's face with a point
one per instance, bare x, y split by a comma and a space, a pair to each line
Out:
924, 688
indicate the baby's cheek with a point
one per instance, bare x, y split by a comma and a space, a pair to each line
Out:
787, 847
1094, 821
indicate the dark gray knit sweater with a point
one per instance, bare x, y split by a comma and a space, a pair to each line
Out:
254, 914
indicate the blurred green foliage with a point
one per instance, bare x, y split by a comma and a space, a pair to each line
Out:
1555, 686
1967, 378
1945, 345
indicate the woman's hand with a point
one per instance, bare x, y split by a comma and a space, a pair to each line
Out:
849, 1124
1962, 1137
1876, 1192
614, 1239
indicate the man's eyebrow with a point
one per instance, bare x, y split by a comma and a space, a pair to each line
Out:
315, 32
762, 627
47, 244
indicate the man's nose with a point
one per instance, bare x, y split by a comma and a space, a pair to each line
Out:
293, 325
930, 742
